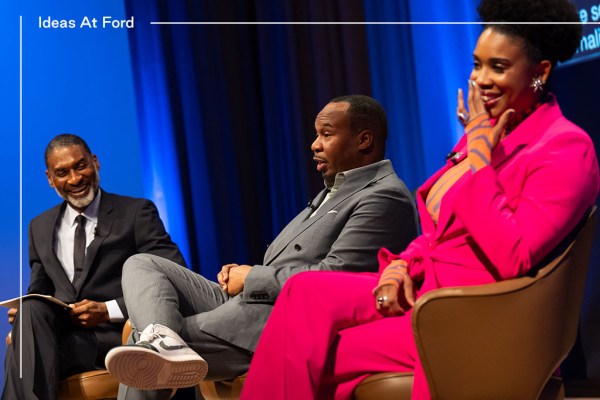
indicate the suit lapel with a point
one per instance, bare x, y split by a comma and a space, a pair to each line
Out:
303, 222
290, 231
526, 133
103, 228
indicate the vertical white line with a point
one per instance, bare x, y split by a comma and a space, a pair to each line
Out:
20, 191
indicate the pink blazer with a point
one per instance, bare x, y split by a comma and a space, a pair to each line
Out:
499, 222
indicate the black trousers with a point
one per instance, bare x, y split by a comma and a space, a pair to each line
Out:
52, 349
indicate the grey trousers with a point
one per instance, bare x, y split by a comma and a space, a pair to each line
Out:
159, 291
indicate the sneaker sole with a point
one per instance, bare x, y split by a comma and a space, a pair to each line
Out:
148, 370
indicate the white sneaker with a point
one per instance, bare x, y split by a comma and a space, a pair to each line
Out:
159, 360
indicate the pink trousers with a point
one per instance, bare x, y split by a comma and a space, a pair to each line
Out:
325, 336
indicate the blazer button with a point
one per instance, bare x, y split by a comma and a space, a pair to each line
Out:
297, 247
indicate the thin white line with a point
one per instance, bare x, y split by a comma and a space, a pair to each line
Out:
364, 23
20, 192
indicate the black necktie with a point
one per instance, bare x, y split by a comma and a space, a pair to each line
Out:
79, 248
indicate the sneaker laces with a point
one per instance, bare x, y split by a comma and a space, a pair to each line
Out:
149, 336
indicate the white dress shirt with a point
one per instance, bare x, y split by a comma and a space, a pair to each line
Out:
64, 243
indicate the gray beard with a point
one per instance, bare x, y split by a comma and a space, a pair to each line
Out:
82, 202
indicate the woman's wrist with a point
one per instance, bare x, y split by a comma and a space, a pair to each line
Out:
392, 274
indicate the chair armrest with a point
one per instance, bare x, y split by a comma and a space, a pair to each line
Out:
126, 331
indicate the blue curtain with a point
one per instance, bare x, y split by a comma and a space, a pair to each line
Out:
393, 78
420, 101
231, 130
160, 156
443, 53
227, 110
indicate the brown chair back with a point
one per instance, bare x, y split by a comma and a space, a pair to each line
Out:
498, 341
503, 340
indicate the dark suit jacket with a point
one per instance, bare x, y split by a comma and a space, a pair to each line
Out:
126, 226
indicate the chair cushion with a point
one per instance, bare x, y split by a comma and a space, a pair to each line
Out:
91, 385
385, 386
398, 386
229, 389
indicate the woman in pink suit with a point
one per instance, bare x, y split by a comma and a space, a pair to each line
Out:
519, 181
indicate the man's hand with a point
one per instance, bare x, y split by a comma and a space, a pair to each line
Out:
12, 312
232, 278
87, 313
223, 276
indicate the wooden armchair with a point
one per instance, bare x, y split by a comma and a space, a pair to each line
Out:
498, 341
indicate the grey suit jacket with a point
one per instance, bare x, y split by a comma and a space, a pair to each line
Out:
372, 209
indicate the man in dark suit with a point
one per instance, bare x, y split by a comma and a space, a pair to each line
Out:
364, 207
76, 253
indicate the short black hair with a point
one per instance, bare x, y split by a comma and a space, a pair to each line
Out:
64, 140
365, 113
553, 42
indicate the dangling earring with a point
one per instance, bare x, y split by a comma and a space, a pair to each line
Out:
537, 84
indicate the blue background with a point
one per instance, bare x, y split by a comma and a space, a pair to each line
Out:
172, 118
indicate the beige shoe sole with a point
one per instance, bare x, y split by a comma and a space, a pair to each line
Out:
146, 369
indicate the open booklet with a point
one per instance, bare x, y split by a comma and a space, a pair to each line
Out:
14, 303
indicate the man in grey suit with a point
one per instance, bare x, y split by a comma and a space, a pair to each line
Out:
58, 342
364, 207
